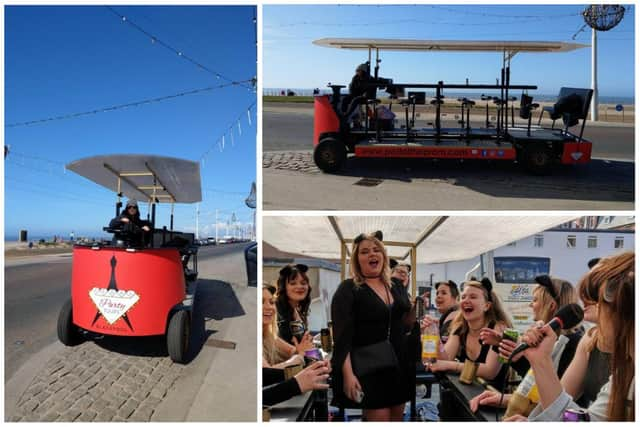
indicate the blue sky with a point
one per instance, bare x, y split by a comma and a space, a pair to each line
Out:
71, 59
292, 61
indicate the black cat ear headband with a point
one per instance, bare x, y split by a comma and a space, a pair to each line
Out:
486, 283
362, 236
545, 281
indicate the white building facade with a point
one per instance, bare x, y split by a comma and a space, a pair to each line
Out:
561, 253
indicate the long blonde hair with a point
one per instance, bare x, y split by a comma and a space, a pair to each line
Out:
566, 294
496, 312
356, 270
270, 351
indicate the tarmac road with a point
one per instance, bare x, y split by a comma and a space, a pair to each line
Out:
290, 128
44, 380
289, 174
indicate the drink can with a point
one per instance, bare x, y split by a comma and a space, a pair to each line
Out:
312, 355
291, 371
469, 371
511, 335
575, 415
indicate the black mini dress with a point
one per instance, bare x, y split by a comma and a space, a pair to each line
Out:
361, 318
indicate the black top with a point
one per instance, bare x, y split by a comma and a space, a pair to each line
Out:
134, 219
285, 317
569, 350
359, 87
131, 232
274, 387
444, 326
482, 357
484, 349
361, 318
598, 371
522, 365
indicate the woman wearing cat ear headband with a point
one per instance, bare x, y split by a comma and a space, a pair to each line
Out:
365, 314
293, 299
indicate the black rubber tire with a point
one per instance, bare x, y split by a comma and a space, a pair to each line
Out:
329, 155
179, 336
538, 159
68, 333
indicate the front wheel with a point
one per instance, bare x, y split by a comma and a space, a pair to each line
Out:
178, 336
68, 333
538, 158
329, 155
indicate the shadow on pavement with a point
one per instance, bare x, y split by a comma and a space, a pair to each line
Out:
216, 300
155, 346
599, 180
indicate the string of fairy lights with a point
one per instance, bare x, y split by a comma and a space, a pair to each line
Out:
519, 19
127, 105
508, 19
157, 41
229, 134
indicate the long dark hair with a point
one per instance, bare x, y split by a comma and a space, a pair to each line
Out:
287, 274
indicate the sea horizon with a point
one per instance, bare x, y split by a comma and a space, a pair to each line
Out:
602, 99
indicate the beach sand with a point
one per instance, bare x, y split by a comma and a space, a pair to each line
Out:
21, 249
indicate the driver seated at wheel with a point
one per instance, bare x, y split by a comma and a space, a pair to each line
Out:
362, 87
359, 91
129, 222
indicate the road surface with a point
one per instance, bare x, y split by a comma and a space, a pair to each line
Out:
292, 181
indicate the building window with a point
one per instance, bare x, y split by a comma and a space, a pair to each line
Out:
571, 241
592, 242
618, 243
538, 241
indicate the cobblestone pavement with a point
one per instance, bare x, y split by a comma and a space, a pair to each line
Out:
91, 382
300, 161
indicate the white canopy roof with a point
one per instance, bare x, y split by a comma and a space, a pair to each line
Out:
143, 176
437, 238
510, 47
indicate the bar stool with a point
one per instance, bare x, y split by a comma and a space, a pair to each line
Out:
526, 107
437, 101
486, 98
409, 124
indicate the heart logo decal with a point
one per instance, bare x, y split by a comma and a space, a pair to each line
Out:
113, 304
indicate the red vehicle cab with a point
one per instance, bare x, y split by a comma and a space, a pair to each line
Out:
346, 124
141, 283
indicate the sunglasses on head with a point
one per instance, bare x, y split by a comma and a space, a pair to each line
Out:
545, 281
131, 206
286, 271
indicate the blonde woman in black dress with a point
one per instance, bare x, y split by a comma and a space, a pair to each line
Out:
366, 310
